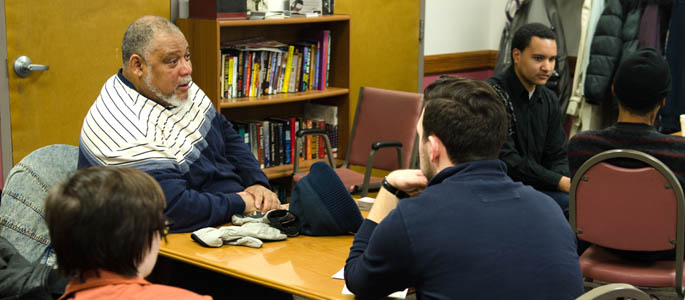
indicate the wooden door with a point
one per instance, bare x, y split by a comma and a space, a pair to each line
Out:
80, 41
384, 45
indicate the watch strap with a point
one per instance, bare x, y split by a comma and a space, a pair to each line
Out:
400, 194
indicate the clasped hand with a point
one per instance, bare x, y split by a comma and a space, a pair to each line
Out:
410, 180
259, 198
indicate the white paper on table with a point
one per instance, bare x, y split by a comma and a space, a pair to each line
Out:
365, 203
341, 275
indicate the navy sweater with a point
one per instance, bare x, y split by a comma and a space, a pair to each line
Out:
473, 233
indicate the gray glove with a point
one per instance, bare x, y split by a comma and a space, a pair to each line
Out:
261, 231
249, 234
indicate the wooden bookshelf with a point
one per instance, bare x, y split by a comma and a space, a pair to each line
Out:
282, 98
287, 170
205, 38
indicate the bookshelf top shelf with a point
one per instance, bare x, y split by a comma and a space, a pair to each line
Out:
282, 98
298, 20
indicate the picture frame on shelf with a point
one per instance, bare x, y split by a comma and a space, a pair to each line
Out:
305, 7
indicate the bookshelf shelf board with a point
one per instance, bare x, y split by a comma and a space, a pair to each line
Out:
287, 170
298, 20
282, 98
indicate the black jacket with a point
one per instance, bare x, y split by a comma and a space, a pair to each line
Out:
616, 36
20, 279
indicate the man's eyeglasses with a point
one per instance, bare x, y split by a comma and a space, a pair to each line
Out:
168, 222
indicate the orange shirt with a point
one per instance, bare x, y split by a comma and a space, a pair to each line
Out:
114, 286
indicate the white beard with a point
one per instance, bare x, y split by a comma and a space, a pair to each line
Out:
173, 99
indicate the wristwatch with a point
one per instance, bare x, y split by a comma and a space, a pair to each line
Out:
400, 194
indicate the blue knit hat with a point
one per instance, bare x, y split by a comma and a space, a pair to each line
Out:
323, 205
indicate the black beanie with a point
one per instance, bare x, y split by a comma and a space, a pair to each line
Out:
642, 79
323, 204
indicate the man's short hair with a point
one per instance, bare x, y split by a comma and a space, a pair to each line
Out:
466, 115
642, 80
141, 32
525, 33
104, 218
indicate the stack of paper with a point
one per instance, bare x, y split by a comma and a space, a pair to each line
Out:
365, 203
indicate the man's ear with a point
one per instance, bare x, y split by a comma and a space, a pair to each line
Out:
516, 55
435, 144
612, 90
136, 64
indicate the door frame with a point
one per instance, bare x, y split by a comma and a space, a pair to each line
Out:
5, 121
422, 35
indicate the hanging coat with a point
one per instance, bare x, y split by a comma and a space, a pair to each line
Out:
586, 116
675, 47
615, 37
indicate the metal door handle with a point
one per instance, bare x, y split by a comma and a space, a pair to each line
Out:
23, 66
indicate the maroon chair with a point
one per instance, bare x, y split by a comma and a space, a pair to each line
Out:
383, 137
635, 209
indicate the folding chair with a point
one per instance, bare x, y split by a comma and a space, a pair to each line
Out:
384, 119
614, 291
634, 209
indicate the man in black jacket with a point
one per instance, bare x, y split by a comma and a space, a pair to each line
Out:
535, 151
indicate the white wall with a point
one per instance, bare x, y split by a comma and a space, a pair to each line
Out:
454, 26
463, 25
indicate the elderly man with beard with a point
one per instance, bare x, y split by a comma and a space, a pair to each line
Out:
151, 116
473, 232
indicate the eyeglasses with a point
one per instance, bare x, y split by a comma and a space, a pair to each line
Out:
168, 222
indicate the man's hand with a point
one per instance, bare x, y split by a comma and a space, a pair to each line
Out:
263, 199
409, 181
565, 184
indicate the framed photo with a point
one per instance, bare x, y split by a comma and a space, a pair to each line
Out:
306, 6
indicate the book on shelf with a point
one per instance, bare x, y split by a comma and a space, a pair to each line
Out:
329, 114
322, 38
288, 65
258, 67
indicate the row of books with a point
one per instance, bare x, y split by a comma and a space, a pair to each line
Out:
258, 67
272, 141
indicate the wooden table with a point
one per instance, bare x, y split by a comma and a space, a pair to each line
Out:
302, 265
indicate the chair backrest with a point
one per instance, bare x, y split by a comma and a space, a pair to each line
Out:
634, 209
384, 115
22, 214
615, 291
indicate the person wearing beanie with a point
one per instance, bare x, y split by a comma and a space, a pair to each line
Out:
535, 151
640, 85
472, 227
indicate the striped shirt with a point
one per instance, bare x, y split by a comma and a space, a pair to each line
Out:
192, 151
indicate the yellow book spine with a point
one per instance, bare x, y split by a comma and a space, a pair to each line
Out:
254, 78
288, 65
229, 83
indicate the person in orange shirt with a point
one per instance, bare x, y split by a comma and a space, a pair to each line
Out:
106, 226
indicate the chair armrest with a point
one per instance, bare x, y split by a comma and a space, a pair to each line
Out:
385, 144
312, 132
375, 146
